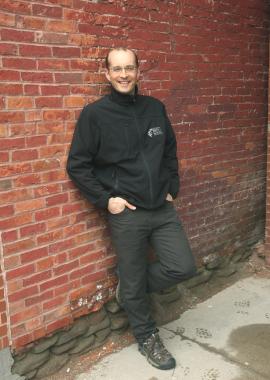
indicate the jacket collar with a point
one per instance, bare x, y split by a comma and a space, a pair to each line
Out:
123, 99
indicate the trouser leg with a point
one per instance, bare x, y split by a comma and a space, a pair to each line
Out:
130, 231
175, 260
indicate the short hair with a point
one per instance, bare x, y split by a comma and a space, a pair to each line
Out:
107, 63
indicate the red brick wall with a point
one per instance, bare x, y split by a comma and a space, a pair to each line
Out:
267, 227
207, 60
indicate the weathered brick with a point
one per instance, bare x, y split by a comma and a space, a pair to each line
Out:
35, 51
66, 26
47, 214
49, 101
22, 271
19, 102
16, 6
9, 75
18, 246
7, 19
34, 255
15, 221
17, 35
47, 11
37, 77
19, 63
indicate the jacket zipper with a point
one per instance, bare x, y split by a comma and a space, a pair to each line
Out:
144, 159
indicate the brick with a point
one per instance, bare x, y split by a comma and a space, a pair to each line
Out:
6, 211
53, 64
9, 236
9, 75
30, 89
44, 264
52, 38
47, 190
64, 26
11, 89
66, 268
37, 278
43, 165
59, 324
17, 35
61, 246
32, 229
7, 19
14, 195
94, 277
17, 7
8, 49
11, 262
25, 155
55, 90
26, 314
19, 63
30, 22
37, 77
14, 143
74, 101
56, 199
23, 271
18, 246
50, 237
16, 221
49, 102
35, 141
54, 303
29, 205
19, 102
47, 11
66, 52
25, 180
54, 282
39, 298
47, 214
67, 78
55, 115
35, 51
34, 255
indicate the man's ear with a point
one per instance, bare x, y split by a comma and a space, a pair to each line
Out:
107, 74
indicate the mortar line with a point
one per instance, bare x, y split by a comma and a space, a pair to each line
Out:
221, 353
3, 271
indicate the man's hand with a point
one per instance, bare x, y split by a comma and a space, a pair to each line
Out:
117, 205
169, 198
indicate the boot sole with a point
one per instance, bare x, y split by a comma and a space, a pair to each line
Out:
165, 367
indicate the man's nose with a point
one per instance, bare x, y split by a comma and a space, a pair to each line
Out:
123, 72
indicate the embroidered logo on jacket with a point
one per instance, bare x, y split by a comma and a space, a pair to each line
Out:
154, 132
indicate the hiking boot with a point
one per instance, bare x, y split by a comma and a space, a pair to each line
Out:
155, 352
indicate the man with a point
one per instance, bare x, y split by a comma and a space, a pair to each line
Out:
123, 159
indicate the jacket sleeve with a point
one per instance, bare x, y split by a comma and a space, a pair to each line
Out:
80, 163
170, 157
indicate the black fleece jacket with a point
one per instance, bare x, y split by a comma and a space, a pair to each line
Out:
124, 145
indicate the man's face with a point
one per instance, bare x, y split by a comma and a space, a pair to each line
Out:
123, 72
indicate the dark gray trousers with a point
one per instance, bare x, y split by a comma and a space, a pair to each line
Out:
132, 232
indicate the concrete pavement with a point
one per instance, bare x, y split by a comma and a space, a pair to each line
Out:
227, 337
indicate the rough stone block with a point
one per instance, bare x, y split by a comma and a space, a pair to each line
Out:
99, 326
53, 365
201, 278
82, 345
31, 361
44, 344
79, 328
113, 307
59, 350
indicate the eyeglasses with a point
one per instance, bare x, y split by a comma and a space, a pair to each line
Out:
127, 69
